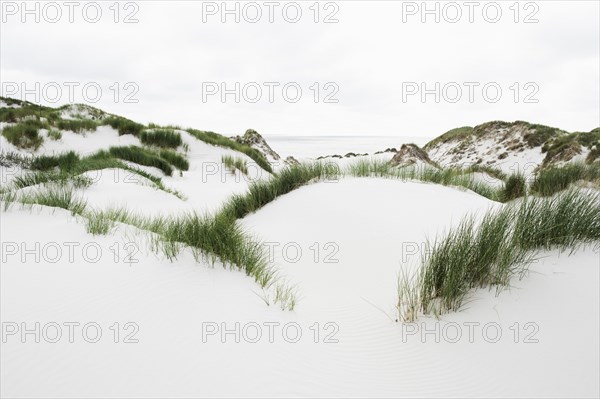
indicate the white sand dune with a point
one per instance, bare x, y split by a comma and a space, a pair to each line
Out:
368, 220
204, 187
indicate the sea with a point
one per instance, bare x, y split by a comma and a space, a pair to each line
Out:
302, 147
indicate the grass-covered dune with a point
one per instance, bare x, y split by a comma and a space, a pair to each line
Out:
25, 122
513, 143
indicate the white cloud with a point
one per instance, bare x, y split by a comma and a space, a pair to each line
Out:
368, 54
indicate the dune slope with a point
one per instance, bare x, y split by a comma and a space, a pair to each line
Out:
351, 300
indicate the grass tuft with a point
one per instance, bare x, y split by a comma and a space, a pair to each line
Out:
98, 223
142, 156
77, 125
549, 181
36, 178
54, 134
57, 197
24, 135
234, 164
161, 138
515, 187
174, 159
124, 125
12, 159
65, 162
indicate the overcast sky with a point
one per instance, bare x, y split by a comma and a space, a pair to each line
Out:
368, 68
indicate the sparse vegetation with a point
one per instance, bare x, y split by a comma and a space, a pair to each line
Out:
234, 164
98, 223
408, 305
83, 111
459, 133
285, 296
54, 134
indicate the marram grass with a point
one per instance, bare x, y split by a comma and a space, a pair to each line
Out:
551, 180
501, 246
447, 177
70, 167
262, 192
235, 163
167, 138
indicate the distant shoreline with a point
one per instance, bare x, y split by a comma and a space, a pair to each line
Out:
315, 146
